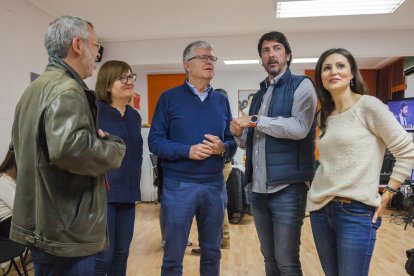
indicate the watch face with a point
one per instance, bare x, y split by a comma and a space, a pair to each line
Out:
254, 119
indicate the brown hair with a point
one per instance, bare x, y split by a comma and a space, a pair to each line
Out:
107, 75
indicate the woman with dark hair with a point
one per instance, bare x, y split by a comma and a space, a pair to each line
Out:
344, 203
8, 174
114, 90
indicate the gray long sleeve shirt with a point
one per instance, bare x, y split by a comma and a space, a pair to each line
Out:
295, 127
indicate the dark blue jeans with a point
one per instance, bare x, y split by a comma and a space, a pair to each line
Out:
345, 237
180, 202
279, 218
5, 228
121, 218
46, 264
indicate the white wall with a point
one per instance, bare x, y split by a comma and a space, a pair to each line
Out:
22, 28
232, 82
141, 87
409, 92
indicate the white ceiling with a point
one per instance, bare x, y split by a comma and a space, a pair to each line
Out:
139, 20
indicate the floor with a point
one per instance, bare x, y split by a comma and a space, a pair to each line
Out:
244, 258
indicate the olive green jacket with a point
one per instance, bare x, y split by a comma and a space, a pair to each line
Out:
60, 203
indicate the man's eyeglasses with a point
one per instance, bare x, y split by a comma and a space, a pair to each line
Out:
126, 79
96, 44
204, 58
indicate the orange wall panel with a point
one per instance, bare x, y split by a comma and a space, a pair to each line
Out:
158, 83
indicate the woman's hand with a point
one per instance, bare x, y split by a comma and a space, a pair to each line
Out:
385, 198
378, 211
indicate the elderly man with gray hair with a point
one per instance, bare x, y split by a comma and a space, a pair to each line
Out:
190, 132
60, 203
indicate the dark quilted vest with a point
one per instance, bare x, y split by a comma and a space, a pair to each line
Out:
287, 161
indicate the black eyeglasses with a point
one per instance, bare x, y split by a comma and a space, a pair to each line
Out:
204, 58
126, 79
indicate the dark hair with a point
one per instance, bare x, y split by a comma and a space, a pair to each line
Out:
244, 104
107, 75
402, 105
9, 162
222, 91
357, 85
278, 37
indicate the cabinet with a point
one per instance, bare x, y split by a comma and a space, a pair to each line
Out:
391, 80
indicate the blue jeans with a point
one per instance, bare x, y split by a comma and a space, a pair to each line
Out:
279, 218
46, 264
180, 202
121, 218
345, 237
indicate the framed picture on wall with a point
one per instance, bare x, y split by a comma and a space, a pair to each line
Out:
245, 99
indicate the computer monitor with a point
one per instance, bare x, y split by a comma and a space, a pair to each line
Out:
403, 111
412, 177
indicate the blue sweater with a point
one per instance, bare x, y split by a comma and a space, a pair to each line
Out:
181, 120
124, 182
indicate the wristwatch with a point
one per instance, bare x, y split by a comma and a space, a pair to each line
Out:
253, 121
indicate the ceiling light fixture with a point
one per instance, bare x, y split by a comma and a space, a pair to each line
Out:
241, 61
311, 8
305, 60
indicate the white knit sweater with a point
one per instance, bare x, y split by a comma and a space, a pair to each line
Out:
7, 191
352, 150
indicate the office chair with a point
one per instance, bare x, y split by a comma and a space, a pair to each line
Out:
10, 250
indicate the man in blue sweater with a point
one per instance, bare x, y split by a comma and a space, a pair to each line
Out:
279, 136
190, 131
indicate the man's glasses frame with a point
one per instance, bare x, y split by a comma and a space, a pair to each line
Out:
97, 44
204, 58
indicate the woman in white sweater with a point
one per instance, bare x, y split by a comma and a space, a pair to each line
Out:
8, 174
344, 203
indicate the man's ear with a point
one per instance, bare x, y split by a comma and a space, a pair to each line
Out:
187, 67
76, 45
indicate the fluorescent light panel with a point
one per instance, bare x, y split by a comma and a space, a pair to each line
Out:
256, 61
313, 8
305, 60
241, 61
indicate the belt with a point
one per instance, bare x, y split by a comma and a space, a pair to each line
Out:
340, 199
